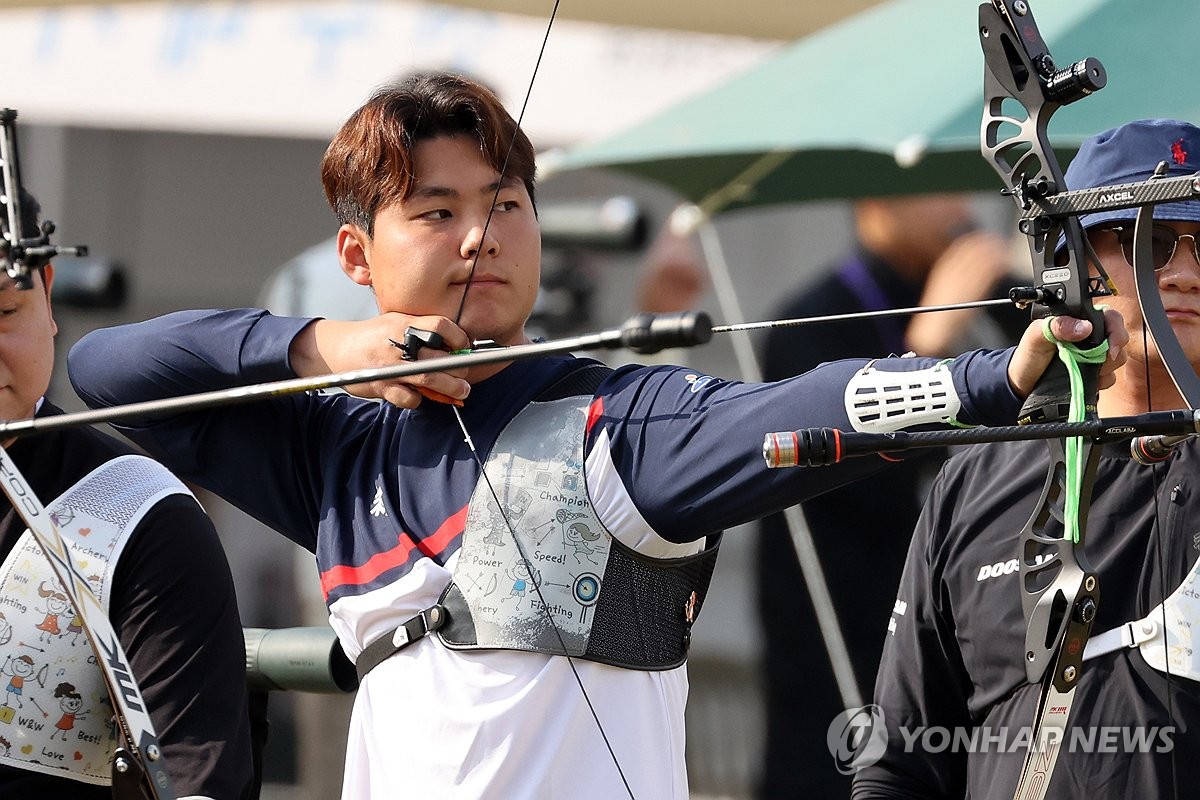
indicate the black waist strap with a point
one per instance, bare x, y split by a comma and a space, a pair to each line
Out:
386, 646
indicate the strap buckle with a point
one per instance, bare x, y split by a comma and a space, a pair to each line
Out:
1131, 634
408, 632
428, 620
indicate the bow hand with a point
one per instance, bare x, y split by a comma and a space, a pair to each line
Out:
1036, 354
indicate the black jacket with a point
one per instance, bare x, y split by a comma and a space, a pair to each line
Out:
954, 658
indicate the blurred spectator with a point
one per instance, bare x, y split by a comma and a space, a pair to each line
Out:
910, 251
672, 276
923, 250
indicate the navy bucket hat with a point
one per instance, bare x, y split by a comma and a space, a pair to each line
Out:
1129, 154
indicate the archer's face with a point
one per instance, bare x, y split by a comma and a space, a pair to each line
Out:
423, 247
1178, 285
26, 345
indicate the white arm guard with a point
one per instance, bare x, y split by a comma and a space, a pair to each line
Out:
879, 402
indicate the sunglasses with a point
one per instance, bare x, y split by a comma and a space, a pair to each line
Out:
1163, 241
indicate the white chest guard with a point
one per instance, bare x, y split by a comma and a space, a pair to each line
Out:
55, 713
608, 602
1161, 648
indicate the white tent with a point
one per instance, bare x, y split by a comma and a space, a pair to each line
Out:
297, 68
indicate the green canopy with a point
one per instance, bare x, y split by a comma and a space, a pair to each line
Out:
889, 102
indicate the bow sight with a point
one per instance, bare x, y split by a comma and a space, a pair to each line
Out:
20, 256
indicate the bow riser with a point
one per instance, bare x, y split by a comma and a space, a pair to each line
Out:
1060, 591
1026, 162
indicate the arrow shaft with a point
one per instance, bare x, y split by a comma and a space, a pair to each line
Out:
243, 394
890, 312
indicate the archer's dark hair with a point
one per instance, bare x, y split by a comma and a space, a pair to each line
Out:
369, 163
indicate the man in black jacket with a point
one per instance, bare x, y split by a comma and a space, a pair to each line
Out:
953, 664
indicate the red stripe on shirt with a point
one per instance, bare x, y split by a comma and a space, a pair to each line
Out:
380, 563
595, 411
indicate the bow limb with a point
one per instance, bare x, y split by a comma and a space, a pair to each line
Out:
1182, 373
1178, 365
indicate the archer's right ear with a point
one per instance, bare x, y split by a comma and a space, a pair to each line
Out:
354, 253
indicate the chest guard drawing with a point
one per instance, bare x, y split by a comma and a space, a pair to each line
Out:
609, 603
55, 713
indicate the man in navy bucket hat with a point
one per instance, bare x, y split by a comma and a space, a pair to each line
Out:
953, 660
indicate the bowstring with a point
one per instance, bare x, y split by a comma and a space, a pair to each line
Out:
1157, 527
1157, 479
1157, 532
471, 443
504, 166
541, 599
